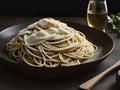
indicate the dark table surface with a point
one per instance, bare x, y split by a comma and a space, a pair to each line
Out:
11, 80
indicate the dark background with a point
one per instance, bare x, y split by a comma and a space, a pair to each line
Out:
50, 7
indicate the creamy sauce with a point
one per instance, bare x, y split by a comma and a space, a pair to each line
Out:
49, 29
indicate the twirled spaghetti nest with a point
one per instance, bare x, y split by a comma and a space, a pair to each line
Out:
68, 49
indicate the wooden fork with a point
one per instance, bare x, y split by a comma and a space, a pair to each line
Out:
90, 83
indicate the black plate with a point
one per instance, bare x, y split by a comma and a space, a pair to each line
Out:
99, 38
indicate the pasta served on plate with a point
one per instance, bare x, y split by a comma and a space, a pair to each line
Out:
50, 43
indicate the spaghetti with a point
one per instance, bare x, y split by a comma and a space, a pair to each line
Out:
50, 43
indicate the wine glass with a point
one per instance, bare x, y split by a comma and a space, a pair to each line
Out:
97, 14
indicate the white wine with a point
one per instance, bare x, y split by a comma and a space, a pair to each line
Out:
97, 20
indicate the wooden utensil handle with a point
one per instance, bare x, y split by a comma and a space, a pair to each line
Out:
90, 83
